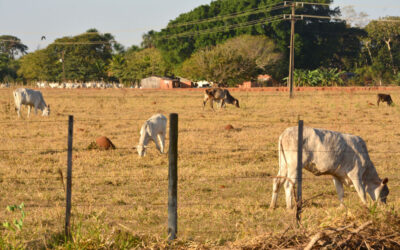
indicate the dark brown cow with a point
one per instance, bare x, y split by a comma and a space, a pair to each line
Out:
384, 98
219, 95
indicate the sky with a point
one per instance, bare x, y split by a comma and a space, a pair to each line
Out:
127, 20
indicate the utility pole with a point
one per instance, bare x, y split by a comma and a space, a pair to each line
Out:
291, 60
63, 66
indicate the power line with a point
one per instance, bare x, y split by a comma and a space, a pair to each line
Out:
301, 16
224, 28
71, 43
230, 16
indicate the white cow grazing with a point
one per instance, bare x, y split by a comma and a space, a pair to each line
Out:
31, 98
153, 129
53, 85
343, 156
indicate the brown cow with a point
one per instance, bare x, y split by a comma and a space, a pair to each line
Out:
219, 95
384, 98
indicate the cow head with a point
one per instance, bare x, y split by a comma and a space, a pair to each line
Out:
46, 111
141, 149
236, 103
384, 190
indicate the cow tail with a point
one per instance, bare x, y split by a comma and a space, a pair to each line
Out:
282, 160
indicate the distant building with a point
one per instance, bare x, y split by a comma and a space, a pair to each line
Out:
185, 83
248, 84
156, 82
262, 81
267, 80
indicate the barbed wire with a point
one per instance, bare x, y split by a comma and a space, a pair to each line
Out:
190, 178
209, 147
215, 205
242, 120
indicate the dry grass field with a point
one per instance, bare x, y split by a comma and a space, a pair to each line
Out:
119, 201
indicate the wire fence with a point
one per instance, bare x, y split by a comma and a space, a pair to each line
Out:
211, 186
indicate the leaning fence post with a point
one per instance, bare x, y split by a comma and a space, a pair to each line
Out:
69, 175
299, 169
173, 177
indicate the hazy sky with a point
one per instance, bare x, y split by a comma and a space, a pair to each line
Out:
127, 20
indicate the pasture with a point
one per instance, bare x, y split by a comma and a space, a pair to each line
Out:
225, 176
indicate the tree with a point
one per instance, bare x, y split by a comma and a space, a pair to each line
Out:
209, 25
144, 63
8, 68
40, 65
84, 57
117, 67
238, 59
12, 46
353, 18
385, 30
148, 40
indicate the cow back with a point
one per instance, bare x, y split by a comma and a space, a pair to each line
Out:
324, 151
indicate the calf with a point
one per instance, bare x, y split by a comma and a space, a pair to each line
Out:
153, 129
342, 156
31, 98
384, 98
219, 95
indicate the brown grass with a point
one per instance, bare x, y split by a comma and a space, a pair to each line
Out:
224, 175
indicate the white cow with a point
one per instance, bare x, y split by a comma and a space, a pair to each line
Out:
343, 156
53, 85
31, 98
153, 129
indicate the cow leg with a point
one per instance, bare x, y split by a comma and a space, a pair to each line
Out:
211, 104
356, 179
222, 104
155, 139
205, 101
29, 110
161, 139
277, 182
339, 189
288, 185
18, 108
290, 182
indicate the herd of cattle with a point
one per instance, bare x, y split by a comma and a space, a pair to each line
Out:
70, 85
343, 156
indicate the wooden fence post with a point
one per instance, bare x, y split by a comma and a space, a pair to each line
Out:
299, 170
69, 176
173, 177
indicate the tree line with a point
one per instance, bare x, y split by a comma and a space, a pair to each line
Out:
226, 41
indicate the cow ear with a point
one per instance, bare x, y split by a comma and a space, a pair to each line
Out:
385, 181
